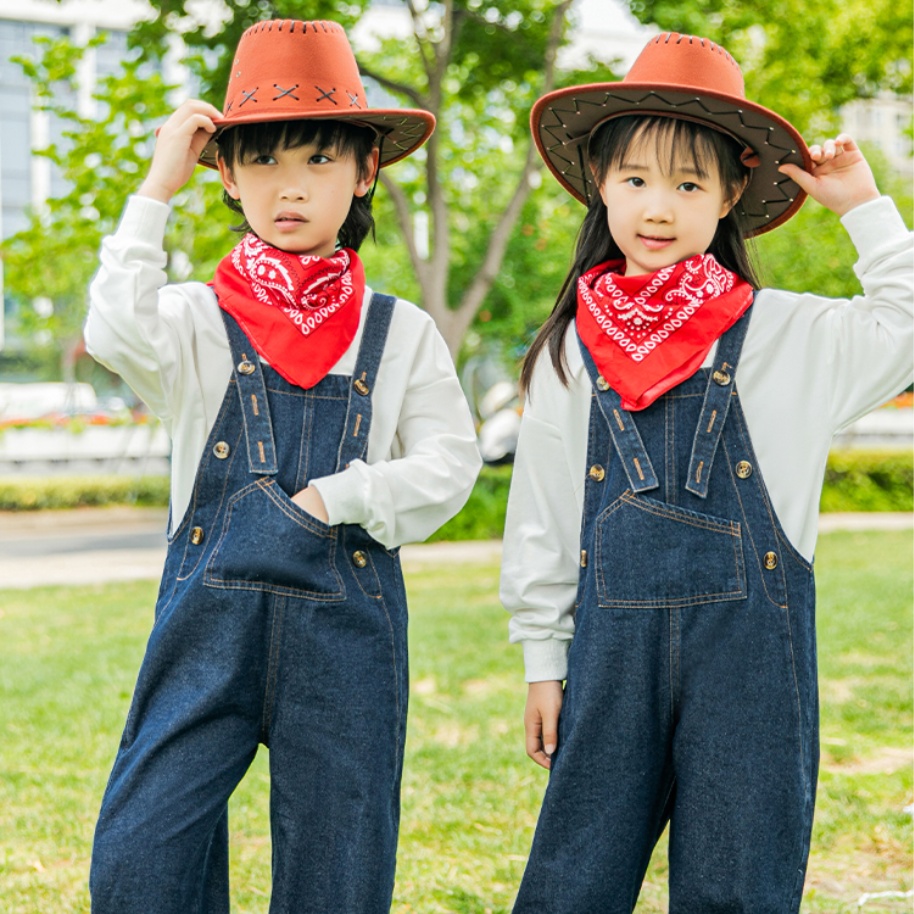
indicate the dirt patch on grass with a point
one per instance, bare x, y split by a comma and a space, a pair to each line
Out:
886, 760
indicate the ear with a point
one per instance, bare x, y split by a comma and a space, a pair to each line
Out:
732, 201
364, 185
228, 181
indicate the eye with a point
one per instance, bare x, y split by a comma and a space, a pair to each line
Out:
634, 181
319, 158
689, 187
263, 159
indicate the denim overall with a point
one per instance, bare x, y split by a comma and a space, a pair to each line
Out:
271, 627
691, 695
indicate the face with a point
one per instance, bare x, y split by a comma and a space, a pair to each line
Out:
658, 215
297, 199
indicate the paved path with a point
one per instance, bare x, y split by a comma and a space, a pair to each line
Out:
91, 546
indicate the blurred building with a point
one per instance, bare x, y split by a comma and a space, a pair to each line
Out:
27, 180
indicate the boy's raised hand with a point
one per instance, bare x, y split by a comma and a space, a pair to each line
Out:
840, 178
179, 142
541, 720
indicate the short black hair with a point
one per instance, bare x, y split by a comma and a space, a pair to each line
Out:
247, 141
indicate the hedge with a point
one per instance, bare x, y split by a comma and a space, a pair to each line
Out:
34, 493
855, 480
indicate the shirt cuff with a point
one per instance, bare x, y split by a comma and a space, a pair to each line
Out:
546, 659
876, 219
343, 495
143, 218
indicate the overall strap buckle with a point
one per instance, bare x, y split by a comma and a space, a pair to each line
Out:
354, 442
625, 434
718, 395
252, 391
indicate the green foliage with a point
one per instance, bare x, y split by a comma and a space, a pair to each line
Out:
869, 481
102, 157
805, 60
483, 516
35, 493
68, 662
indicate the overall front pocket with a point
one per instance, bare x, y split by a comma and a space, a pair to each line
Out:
651, 555
270, 544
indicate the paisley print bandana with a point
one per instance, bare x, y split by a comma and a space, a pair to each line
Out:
300, 313
647, 333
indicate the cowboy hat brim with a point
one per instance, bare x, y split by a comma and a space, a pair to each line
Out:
563, 121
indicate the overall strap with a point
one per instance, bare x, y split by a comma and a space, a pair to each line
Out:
354, 442
625, 435
252, 391
718, 396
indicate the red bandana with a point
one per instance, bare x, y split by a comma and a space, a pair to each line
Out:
647, 333
300, 313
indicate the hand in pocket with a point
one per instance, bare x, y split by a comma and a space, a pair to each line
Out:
310, 500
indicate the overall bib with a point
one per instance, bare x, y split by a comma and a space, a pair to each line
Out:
691, 696
271, 627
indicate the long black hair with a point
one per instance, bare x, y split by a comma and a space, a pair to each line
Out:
684, 141
248, 141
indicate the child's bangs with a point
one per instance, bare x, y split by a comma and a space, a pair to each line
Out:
675, 144
248, 141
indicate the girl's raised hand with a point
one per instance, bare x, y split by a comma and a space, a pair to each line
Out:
840, 178
179, 142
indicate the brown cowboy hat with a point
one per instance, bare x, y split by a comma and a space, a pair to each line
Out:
287, 70
684, 77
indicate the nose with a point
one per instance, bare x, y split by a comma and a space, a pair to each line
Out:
657, 206
293, 187
293, 192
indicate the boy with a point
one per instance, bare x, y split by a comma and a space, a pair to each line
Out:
316, 427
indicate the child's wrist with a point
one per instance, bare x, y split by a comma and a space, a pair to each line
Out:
155, 190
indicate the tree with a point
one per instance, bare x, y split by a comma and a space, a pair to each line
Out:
102, 156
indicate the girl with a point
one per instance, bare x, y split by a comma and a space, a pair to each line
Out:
316, 427
662, 517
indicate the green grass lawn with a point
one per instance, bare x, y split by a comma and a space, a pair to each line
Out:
68, 659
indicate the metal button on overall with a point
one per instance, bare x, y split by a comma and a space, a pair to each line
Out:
771, 560
744, 469
361, 387
597, 473
602, 383
221, 450
359, 559
721, 377
196, 536
247, 367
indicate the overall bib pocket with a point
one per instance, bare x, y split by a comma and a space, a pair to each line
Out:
270, 544
652, 555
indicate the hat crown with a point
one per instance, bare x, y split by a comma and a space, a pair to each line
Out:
672, 59
284, 68
289, 70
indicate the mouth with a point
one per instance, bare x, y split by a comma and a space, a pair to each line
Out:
655, 243
289, 220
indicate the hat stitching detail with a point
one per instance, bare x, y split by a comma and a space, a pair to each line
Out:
249, 96
326, 94
285, 93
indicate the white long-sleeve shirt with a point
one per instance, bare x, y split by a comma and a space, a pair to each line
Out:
168, 342
809, 367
